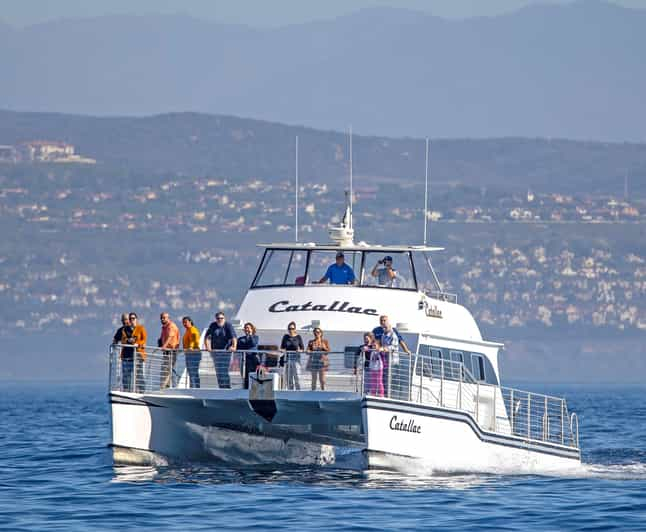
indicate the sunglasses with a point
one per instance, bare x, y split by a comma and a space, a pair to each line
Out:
318, 332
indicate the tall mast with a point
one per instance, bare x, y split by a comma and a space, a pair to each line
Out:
351, 196
426, 193
296, 191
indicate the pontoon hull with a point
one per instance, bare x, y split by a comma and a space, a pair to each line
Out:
391, 434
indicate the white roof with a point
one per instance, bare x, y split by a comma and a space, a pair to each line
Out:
361, 246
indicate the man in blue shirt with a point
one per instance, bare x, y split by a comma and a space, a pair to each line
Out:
399, 368
339, 272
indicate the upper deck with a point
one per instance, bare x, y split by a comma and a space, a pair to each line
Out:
291, 284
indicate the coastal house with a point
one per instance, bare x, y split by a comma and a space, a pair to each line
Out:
51, 151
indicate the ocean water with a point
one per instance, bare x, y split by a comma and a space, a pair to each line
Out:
56, 473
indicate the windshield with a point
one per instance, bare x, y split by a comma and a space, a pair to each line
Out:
377, 269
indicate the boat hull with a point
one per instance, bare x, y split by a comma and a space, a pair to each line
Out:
449, 441
320, 428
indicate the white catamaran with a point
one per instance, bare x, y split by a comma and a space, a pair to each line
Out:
442, 404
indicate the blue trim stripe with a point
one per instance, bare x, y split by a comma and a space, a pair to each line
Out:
464, 417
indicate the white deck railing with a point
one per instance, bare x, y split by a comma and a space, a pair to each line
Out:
413, 378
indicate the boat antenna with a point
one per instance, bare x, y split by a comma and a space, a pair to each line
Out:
351, 196
426, 194
296, 191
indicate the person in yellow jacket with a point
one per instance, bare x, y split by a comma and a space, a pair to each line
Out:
137, 337
191, 344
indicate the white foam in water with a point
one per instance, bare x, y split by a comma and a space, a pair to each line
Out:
632, 471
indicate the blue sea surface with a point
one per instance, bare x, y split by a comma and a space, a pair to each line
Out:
56, 473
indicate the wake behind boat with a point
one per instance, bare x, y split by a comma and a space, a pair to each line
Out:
438, 398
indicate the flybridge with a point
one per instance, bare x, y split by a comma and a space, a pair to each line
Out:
336, 306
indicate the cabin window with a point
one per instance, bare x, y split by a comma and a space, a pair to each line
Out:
423, 366
436, 364
376, 271
457, 360
477, 362
320, 261
281, 267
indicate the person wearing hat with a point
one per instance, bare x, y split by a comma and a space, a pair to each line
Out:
385, 275
339, 272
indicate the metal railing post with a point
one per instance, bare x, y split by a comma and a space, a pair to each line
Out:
494, 408
171, 368
562, 422
410, 378
511, 410
529, 417
243, 366
363, 377
133, 377
390, 375
421, 382
441, 382
546, 422
478, 402
460, 390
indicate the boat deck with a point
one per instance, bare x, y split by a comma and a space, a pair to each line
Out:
415, 379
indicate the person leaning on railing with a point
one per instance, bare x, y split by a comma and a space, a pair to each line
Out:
248, 343
191, 345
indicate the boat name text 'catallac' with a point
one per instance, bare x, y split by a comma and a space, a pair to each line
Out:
336, 306
404, 426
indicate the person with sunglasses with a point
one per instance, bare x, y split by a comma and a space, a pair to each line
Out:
249, 344
137, 339
292, 345
126, 353
319, 360
220, 338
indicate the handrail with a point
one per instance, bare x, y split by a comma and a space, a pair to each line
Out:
414, 378
574, 420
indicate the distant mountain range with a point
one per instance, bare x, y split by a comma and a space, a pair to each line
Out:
238, 149
570, 71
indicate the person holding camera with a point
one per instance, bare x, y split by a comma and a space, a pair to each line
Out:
385, 275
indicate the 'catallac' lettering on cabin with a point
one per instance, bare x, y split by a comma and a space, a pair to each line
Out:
336, 306
405, 426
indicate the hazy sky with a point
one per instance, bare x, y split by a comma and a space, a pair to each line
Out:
254, 12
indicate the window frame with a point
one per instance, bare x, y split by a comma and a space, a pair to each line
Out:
361, 278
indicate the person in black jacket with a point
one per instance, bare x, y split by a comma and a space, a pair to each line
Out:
249, 343
220, 339
292, 345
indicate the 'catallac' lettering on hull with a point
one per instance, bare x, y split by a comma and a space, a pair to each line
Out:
336, 306
405, 426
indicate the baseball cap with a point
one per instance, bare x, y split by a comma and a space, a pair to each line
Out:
388, 257
339, 254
